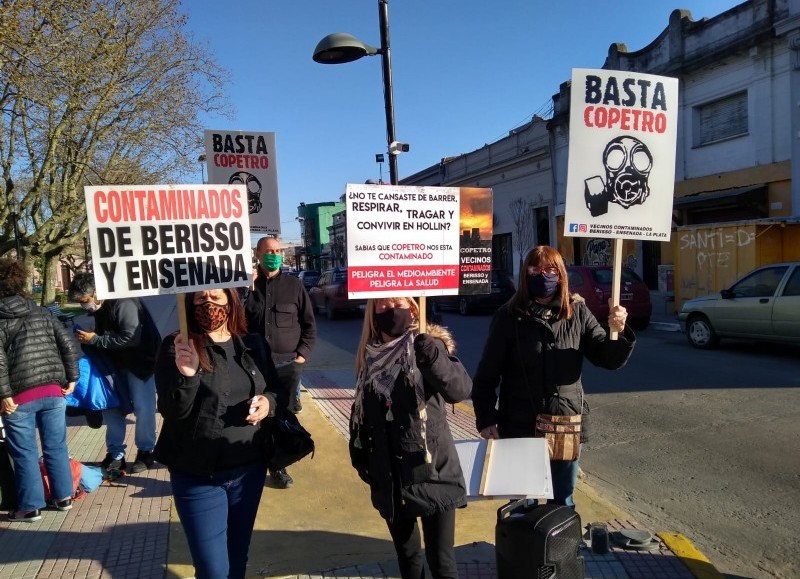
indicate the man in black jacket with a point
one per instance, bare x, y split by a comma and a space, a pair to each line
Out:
121, 331
279, 309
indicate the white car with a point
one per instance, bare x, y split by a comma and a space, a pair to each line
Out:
763, 305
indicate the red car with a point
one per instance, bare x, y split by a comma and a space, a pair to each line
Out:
593, 283
330, 294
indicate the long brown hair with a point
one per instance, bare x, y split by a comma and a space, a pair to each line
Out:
370, 331
543, 256
236, 324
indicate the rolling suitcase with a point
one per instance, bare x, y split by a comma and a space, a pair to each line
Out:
541, 542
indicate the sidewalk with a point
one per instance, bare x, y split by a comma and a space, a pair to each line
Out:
323, 526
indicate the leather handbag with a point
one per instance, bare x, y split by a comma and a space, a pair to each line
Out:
562, 433
287, 441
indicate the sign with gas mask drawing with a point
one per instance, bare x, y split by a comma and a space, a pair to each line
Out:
621, 170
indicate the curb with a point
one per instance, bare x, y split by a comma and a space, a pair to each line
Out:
697, 563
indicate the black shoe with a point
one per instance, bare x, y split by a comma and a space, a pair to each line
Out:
64, 505
113, 468
28, 517
281, 479
296, 406
144, 460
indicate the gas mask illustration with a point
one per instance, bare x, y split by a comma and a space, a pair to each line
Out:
628, 163
253, 186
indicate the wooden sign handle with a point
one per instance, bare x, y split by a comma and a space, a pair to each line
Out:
616, 278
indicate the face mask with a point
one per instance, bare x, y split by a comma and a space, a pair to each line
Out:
210, 316
91, 306
394, 321
542, 285
271, 262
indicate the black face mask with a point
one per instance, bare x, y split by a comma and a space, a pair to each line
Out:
542, 285
394, 321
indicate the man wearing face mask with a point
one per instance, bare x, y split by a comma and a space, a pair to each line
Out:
123, 332
279, 309
531, 363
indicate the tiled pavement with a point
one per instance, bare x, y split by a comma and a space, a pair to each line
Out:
122, 530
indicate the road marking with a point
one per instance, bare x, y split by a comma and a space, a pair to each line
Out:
696, 562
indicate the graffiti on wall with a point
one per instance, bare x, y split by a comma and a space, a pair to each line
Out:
714, 248
598, 252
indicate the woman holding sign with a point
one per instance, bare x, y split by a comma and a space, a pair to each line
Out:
533, 357
400, 442
213, 390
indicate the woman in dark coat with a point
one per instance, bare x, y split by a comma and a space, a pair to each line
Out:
38, 368
213, 391
534, 352
400, 442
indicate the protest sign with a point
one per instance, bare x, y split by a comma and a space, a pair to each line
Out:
418, 241
621, 171
166, 239
247, 159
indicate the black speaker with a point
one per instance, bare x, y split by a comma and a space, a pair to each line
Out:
541, 542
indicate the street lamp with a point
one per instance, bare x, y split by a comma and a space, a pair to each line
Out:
339, 48
202, 159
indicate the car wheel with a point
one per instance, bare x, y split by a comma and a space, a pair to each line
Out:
329, 311
700, 333
640, 323
463, 307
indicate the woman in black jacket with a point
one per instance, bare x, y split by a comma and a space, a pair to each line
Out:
400, 442
534, 352
213, 391
38, 368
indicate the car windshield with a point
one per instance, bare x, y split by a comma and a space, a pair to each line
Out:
605, 276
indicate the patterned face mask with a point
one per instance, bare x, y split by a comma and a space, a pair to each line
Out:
210, 316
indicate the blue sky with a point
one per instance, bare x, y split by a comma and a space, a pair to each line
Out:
465, 72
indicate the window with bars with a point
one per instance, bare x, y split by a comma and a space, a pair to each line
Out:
720, 119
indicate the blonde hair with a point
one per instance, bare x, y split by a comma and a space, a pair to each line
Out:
370, 331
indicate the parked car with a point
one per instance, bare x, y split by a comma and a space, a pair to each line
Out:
330, 294
593, 283
502, 288
762, 305
309, 277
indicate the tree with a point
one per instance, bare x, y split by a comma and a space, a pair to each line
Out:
93, 92
523, 214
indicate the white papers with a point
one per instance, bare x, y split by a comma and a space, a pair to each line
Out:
506, 468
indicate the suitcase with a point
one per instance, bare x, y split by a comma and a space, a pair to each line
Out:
538, 542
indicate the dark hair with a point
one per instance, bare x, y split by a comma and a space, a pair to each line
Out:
237, 323
82, 285
543, 256
13, 277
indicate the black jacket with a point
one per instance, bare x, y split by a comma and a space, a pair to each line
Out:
195, 411
35, 348
391, 457
279, 310
538, 365
119, 326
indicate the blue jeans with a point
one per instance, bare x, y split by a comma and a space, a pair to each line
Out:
565, 478
49, 416
218, 514
143, 396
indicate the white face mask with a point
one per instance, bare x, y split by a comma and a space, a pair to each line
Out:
91, 306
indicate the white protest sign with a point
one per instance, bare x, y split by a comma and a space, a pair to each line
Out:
621, 172
248, 159
165, 239
418, 241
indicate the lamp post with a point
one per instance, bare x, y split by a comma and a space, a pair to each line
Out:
202, 159
339, 48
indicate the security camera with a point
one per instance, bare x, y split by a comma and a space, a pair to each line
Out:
396, 148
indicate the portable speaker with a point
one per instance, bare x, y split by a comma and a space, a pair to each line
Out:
541, 542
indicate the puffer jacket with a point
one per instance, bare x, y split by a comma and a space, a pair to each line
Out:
35, 348
390, 455
196, 408
538, 366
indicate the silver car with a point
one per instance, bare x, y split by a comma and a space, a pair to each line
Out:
763, 305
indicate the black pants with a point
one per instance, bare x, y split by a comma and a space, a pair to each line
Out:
439, 532
289, 375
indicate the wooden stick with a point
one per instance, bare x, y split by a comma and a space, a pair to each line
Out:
616, 282
485, 472
423, 314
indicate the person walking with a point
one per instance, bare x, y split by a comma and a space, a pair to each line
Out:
38, 368
279, 310
212, 390
127, 336
400, 441
532, 359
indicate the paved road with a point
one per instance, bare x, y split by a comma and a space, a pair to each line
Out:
704, 443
